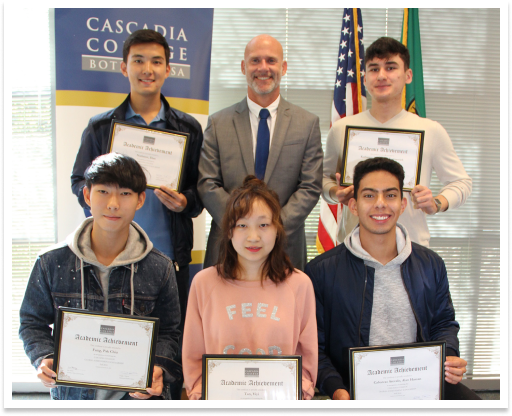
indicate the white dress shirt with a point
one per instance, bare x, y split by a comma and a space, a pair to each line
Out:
254, 115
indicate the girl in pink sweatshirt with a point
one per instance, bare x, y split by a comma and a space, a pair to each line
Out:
253, 301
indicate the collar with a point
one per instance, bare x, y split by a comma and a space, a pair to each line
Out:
255, 108
160, 116
403, 245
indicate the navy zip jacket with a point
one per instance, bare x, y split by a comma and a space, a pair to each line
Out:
344, 296
95, 140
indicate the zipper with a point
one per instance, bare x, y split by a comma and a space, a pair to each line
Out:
362, 307
410, 301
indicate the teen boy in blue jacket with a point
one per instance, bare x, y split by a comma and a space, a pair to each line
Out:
108, 264
379, 288
167, 215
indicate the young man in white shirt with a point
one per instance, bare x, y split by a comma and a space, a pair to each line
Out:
387, 73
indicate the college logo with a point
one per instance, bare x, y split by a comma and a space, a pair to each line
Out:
149, 140
252, 372
383, 141
117, 31
107, 329
397, 360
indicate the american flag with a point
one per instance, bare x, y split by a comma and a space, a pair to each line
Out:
349, 92
349, 99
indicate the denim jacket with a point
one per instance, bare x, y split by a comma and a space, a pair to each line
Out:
56, 280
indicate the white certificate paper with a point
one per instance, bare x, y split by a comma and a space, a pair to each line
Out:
239, 379
398, 374
405, 147
103, 351
160, 153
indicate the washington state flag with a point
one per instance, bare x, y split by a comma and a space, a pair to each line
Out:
413, 100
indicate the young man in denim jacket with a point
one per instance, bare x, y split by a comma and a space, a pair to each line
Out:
108, 264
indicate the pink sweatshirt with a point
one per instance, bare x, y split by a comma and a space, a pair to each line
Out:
231, 316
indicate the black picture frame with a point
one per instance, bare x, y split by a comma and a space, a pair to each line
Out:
354, 350
115, 123
61, 311
343, 167
246, 357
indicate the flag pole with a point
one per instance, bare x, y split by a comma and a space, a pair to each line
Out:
358, 64
404, 42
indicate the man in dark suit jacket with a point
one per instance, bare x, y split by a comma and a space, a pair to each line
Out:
230, 149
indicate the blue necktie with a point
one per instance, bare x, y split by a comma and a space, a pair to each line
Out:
262, 145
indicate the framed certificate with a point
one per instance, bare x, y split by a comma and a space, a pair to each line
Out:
403, 146
398, 372
252, 377
160, 152
103, 350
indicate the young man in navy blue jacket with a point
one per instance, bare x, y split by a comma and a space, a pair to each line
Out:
167, 215
379, 288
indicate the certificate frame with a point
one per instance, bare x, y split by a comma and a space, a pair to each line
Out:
346, 168
115, 124
64, 314
209, 359
396, 347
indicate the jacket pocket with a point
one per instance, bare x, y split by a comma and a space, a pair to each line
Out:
67, 301
140, 308
294, 141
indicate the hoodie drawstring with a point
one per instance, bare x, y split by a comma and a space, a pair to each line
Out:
132, 291
82, 277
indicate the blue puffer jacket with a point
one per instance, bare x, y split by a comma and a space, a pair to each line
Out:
344, 296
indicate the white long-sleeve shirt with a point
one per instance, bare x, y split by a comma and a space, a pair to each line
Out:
438, 155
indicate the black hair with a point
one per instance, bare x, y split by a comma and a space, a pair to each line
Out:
386, 47
145, 36
375, 164
116, 169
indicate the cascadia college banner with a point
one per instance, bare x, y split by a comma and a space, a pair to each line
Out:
88, 56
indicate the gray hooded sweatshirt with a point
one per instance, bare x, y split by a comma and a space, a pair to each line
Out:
137, 247
393, 320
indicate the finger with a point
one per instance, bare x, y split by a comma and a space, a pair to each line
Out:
166, 200
140, 396
168, 191
450, 378
171, 194
349, 191
47, 381
338, 178
48, 371
456, 371
452, 361
417, 188
424, 202
154, 392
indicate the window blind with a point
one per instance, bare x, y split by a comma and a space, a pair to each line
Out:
33, 196
461, 77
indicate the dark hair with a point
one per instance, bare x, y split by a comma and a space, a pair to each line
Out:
116, 169
384, 48
145, 36
375, 164
277, 266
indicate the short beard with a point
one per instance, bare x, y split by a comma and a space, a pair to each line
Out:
254, 86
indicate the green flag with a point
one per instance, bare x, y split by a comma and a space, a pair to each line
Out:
414, 100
